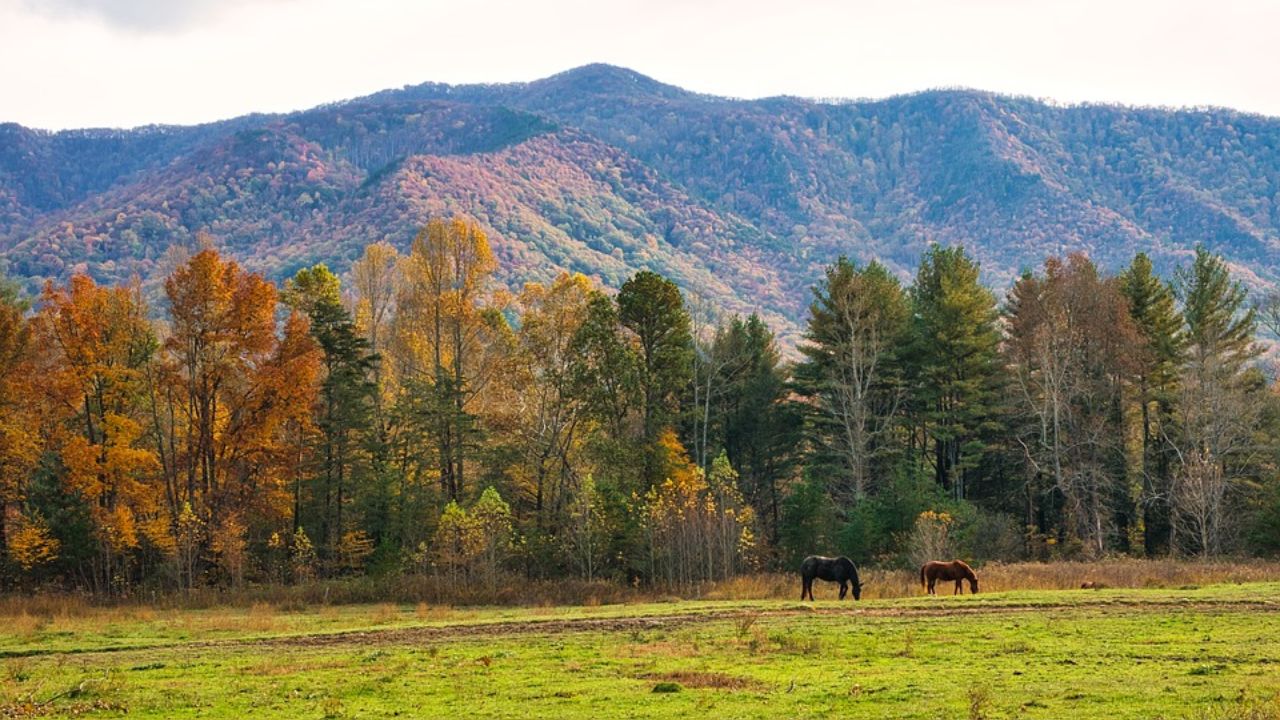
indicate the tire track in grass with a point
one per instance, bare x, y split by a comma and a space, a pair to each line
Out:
553, 626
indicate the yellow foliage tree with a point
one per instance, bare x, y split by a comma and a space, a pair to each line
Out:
228, 544
31, 544
697, 531
456, 542
448, 342
550, 416
931, 537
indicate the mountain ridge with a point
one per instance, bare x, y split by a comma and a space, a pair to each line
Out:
607, 171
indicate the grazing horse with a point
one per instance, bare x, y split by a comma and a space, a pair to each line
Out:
934, 570
841, 570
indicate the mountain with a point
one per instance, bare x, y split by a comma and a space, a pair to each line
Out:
605, 171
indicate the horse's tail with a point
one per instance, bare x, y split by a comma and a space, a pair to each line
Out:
922, 580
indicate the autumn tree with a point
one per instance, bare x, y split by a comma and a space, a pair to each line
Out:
492, 517
552, 417
695, 531
1071, 353
20, 440
731, 535
229, 389
104, 345
474, 541
450, 345
586, 536
456, 542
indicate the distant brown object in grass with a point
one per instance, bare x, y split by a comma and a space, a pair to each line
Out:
1091, 585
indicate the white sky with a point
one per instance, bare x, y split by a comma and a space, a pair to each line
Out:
78, 63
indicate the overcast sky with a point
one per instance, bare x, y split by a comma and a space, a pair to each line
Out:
78, 63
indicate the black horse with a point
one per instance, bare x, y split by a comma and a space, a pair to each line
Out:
841, 570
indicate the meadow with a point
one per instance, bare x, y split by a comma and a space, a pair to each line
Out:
1179, 641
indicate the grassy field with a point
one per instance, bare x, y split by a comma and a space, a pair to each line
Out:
1196, 652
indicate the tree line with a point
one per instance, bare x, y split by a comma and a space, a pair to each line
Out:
417, 418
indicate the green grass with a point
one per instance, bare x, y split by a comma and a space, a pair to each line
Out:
1035, 654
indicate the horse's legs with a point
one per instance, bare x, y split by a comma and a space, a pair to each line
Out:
932, 582
959, 589
806, 587
844, 588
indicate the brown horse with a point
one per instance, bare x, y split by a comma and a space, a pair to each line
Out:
934, 570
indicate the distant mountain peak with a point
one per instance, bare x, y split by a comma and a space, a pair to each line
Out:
605, 79
604, 170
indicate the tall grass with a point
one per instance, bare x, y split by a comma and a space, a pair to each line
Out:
1116, 573
31, 612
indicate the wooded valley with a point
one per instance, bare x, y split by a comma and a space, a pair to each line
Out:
418, 418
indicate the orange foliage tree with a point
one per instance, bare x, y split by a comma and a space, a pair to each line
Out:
20, 442
102, 344
233, 398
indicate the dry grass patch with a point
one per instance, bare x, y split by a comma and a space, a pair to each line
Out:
322, 597
273, 668
701, 679
47, 605
760, 585
1125, 573
384, 614
1241, 708
25, 626
422, 611
262, 617
661, 648
1061, 575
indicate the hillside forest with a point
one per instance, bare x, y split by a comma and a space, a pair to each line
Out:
604, 171
416, 417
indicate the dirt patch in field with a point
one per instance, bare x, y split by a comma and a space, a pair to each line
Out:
513, 627
273, 668
695, 679
634, 624
668, 622
665, 648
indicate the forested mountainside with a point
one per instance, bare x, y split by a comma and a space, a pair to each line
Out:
605, 171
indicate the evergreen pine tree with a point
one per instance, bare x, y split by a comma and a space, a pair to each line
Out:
953, 365
1151, 305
